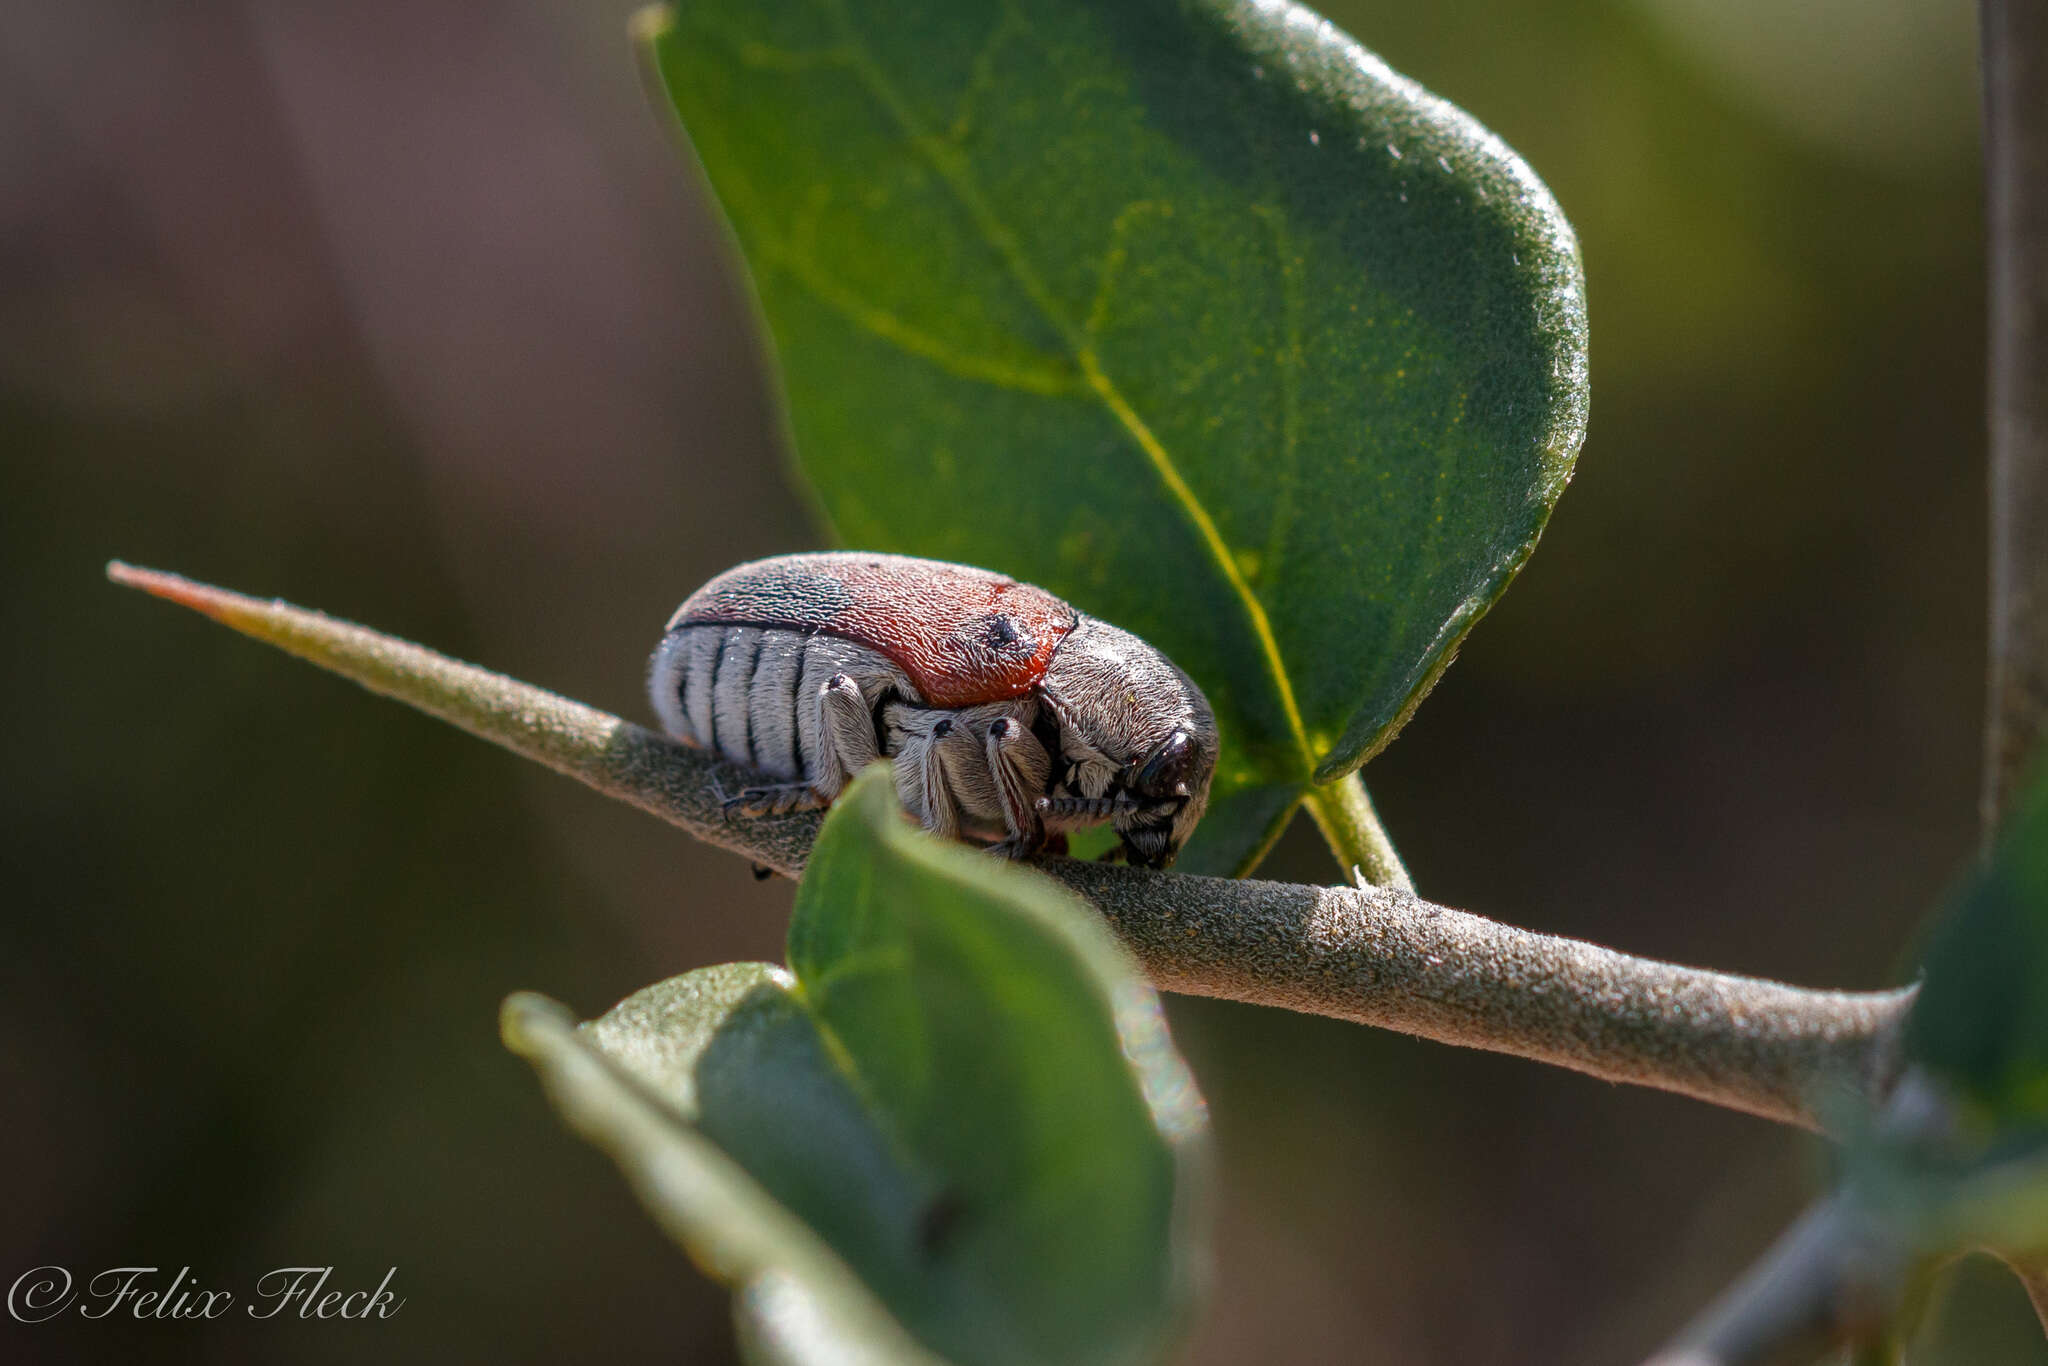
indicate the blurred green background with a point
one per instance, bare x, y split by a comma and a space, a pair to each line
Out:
411, 312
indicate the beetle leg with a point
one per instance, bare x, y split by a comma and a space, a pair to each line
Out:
846, 736
922, 781
1067, 813
775, 799
1019, 765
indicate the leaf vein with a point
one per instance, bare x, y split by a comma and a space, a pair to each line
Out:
981, 74
1113, 260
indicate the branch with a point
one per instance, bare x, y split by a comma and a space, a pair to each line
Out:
1374, 955
1837, 1274
2015, 39
1784, 1307
2015, 59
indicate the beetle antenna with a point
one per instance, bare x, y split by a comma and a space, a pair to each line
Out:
1075, 806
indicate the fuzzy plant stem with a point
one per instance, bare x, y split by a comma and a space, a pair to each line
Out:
2015, 56
2014, 37
1376, 955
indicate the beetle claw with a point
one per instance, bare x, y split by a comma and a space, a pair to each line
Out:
725, 803
748, 801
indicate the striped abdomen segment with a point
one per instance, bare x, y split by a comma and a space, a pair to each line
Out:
750, 693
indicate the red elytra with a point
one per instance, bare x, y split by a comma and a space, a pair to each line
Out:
963, 635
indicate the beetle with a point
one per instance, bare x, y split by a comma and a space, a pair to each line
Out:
1008, 717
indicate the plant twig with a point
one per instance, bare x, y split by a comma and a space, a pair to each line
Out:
1784, 1307
2014, 37
1837, 1274
1375, 955
2015, 49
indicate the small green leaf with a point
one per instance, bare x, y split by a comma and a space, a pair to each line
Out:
701, 1195
1977, 1041
962, 1103
1189, 310
1960, 1157
1981, 1021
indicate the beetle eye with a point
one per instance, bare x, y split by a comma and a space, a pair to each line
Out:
1167, 769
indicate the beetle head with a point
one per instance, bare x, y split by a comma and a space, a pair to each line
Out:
1164, 794
1143, 729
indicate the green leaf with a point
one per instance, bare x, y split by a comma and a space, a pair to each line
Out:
791, 1285
1981, 1020
1959, 1159
960, 1105
1194, 313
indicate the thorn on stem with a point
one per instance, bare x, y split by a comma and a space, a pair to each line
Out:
217, 603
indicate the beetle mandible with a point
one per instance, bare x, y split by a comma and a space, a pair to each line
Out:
1008, 717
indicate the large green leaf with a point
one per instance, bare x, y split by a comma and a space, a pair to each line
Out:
1189, 310
960, 1105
